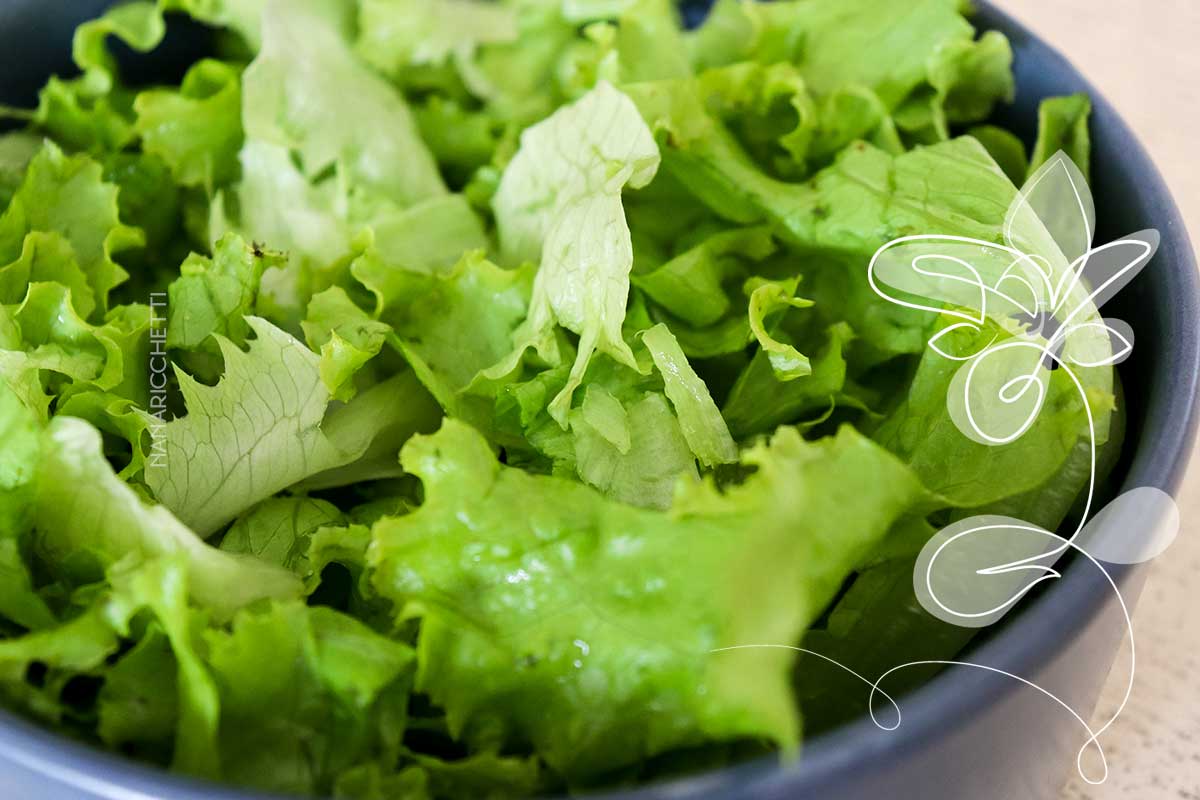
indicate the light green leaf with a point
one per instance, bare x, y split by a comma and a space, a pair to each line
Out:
307, 91
214, 295
83, 508
396, 34
701, 422
197, 130
554, 616
559, 203
67, 195
255, 433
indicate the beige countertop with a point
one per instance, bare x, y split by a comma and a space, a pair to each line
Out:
1144, 55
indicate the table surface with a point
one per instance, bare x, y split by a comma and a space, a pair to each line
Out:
1144, 57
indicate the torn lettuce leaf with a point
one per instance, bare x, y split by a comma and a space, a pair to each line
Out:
451, 327
636, 455
307, 91
559, 203
20, 433
83, 510
17, 149
395, 34
207, 110
701, 422
1063, 125
48, 352
280, 530
212, 296
257, 432
638, 613
306, 693
66, 195
968, 474
345, 336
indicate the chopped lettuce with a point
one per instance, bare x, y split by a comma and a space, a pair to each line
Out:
307, 91
65, 205
559, 203
430, 400
256, 432
641, 599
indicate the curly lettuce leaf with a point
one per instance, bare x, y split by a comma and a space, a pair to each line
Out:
554, 623
212, 296
17, 149
396, 34
450, 327
1063, 125
306, 694
197, 129
47, 351
67, 195
636, 454
969, 474
258, 431
759, 400
20, 443
701, 422
965, 80
892, 49
346, 337
83, 509
559, 203
93, 111
306, 90
280, 530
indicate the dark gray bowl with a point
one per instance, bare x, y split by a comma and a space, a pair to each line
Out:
967, 733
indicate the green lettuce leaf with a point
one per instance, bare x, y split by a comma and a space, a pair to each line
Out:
256, 432
970, 474
307, 91
197, 129
20, 443
345, 335
450, 327
701, 422
306, 694
212, 296
66, 195
396, 34
633, 453
280, 530
46, 347
1063, 125
83, 510
602, 609
17, 149
559, 203
93, 112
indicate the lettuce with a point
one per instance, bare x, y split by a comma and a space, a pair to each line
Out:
65, 205
430, 399
306, 693
74, 480
307, 91
257, 432
208, 107
638, 612
559, 203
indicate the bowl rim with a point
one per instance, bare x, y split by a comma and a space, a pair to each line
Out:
933, 711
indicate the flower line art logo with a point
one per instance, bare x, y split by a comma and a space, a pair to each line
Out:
1022, 319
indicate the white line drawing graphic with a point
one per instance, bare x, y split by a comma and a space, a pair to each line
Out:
1041, 291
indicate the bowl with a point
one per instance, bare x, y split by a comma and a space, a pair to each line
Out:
968, 733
